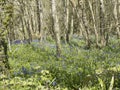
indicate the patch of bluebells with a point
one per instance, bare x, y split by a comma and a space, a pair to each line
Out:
20, 42
54, 83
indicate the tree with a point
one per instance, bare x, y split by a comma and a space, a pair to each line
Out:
116, 11
102, 23
5, 21
94, 22
56, 28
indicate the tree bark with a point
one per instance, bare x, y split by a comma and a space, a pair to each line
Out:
102, 23
116, 8
56, 28
85, 24
94, 23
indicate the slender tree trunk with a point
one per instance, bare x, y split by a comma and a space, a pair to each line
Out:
22, 17
67, 20
85, 24
29, 32
5, 53
9, 44
27, 24
70, 26
102, 23
56, 28
6, 19
38, 16
116, 17
42, 35
23, 29
94, 23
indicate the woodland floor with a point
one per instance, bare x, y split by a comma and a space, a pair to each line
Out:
36, 67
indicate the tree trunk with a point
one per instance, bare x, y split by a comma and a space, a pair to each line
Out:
94, 23
70, 24
56, 28
67, 21
116, 18
85, 24
102, 23
39, 18
3, 56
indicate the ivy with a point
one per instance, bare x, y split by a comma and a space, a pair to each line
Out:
5, 21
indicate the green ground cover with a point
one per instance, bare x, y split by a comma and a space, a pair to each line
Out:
37, 68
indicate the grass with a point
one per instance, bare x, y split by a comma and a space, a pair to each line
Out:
37, 68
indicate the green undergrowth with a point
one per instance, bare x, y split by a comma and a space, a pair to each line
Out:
37, 68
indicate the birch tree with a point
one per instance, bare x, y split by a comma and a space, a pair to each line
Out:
94, 22
56, 28
102, 23
116, 13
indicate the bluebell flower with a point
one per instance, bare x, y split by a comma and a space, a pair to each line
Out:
24, 70
54, 83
